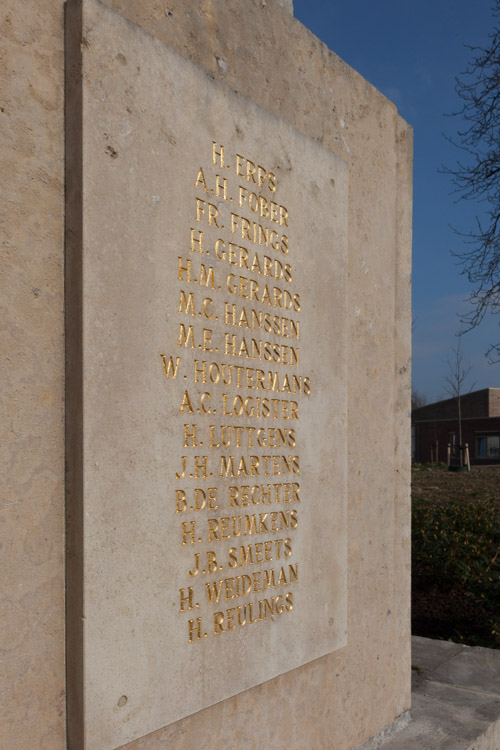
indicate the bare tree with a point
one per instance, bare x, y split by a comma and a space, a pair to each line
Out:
458, 372
477, 176
417, 399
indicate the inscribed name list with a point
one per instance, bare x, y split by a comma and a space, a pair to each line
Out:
214, 389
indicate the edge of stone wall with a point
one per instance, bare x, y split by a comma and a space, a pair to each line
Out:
401, 722
285, 4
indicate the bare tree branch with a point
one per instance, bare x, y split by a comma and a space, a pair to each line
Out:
417, 399
458, 372
477, 177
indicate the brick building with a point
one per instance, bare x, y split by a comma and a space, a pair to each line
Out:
434, 426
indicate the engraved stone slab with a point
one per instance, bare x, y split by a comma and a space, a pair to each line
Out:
212, 466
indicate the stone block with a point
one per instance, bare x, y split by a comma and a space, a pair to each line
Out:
263, 53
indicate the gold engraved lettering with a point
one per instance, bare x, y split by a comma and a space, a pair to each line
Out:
258, 381
246, 436
251, 169
190, 436
208, 313
186, 405
236, 587
254, 554
184, 268
217, 154
206, 275
187, 338
252, 319
207, 340
265, 408
228, 527
221, 187
207, 278
207, 210
253, 231
200, 467
240, 164
206, 499
267, 351
255, 173
180, 501
182, 473
196, 239
239, 256
264, 494
186, 304
188, 533
259, 204
169, 367
183, 599
201, 500
249, 289
200, 180
204, 399
249, 377
193, 573
195, 630
218, 620
249, 613
211, 565
211, 562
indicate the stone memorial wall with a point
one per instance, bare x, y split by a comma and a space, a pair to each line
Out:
233, 332
206, 277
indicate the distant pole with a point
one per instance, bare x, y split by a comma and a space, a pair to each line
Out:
448, 456
459, 419
467, 456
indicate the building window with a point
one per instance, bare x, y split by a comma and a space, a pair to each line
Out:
488, 446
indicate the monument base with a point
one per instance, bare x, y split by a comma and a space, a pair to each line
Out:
455, 700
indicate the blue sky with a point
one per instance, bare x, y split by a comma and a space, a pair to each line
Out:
412, 53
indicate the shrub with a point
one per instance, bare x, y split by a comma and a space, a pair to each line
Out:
456, 570
417, 466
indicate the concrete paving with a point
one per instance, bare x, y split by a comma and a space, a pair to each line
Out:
455, 700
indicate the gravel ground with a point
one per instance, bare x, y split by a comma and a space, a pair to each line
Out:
440, 485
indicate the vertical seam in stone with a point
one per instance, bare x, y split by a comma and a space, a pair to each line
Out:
73, 234
402, 330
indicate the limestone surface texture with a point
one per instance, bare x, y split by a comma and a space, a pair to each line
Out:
32, 686
259, 50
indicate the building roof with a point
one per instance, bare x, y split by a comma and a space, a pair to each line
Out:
476, 405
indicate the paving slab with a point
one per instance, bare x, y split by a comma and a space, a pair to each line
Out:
455, 700
474, 668
429, 654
